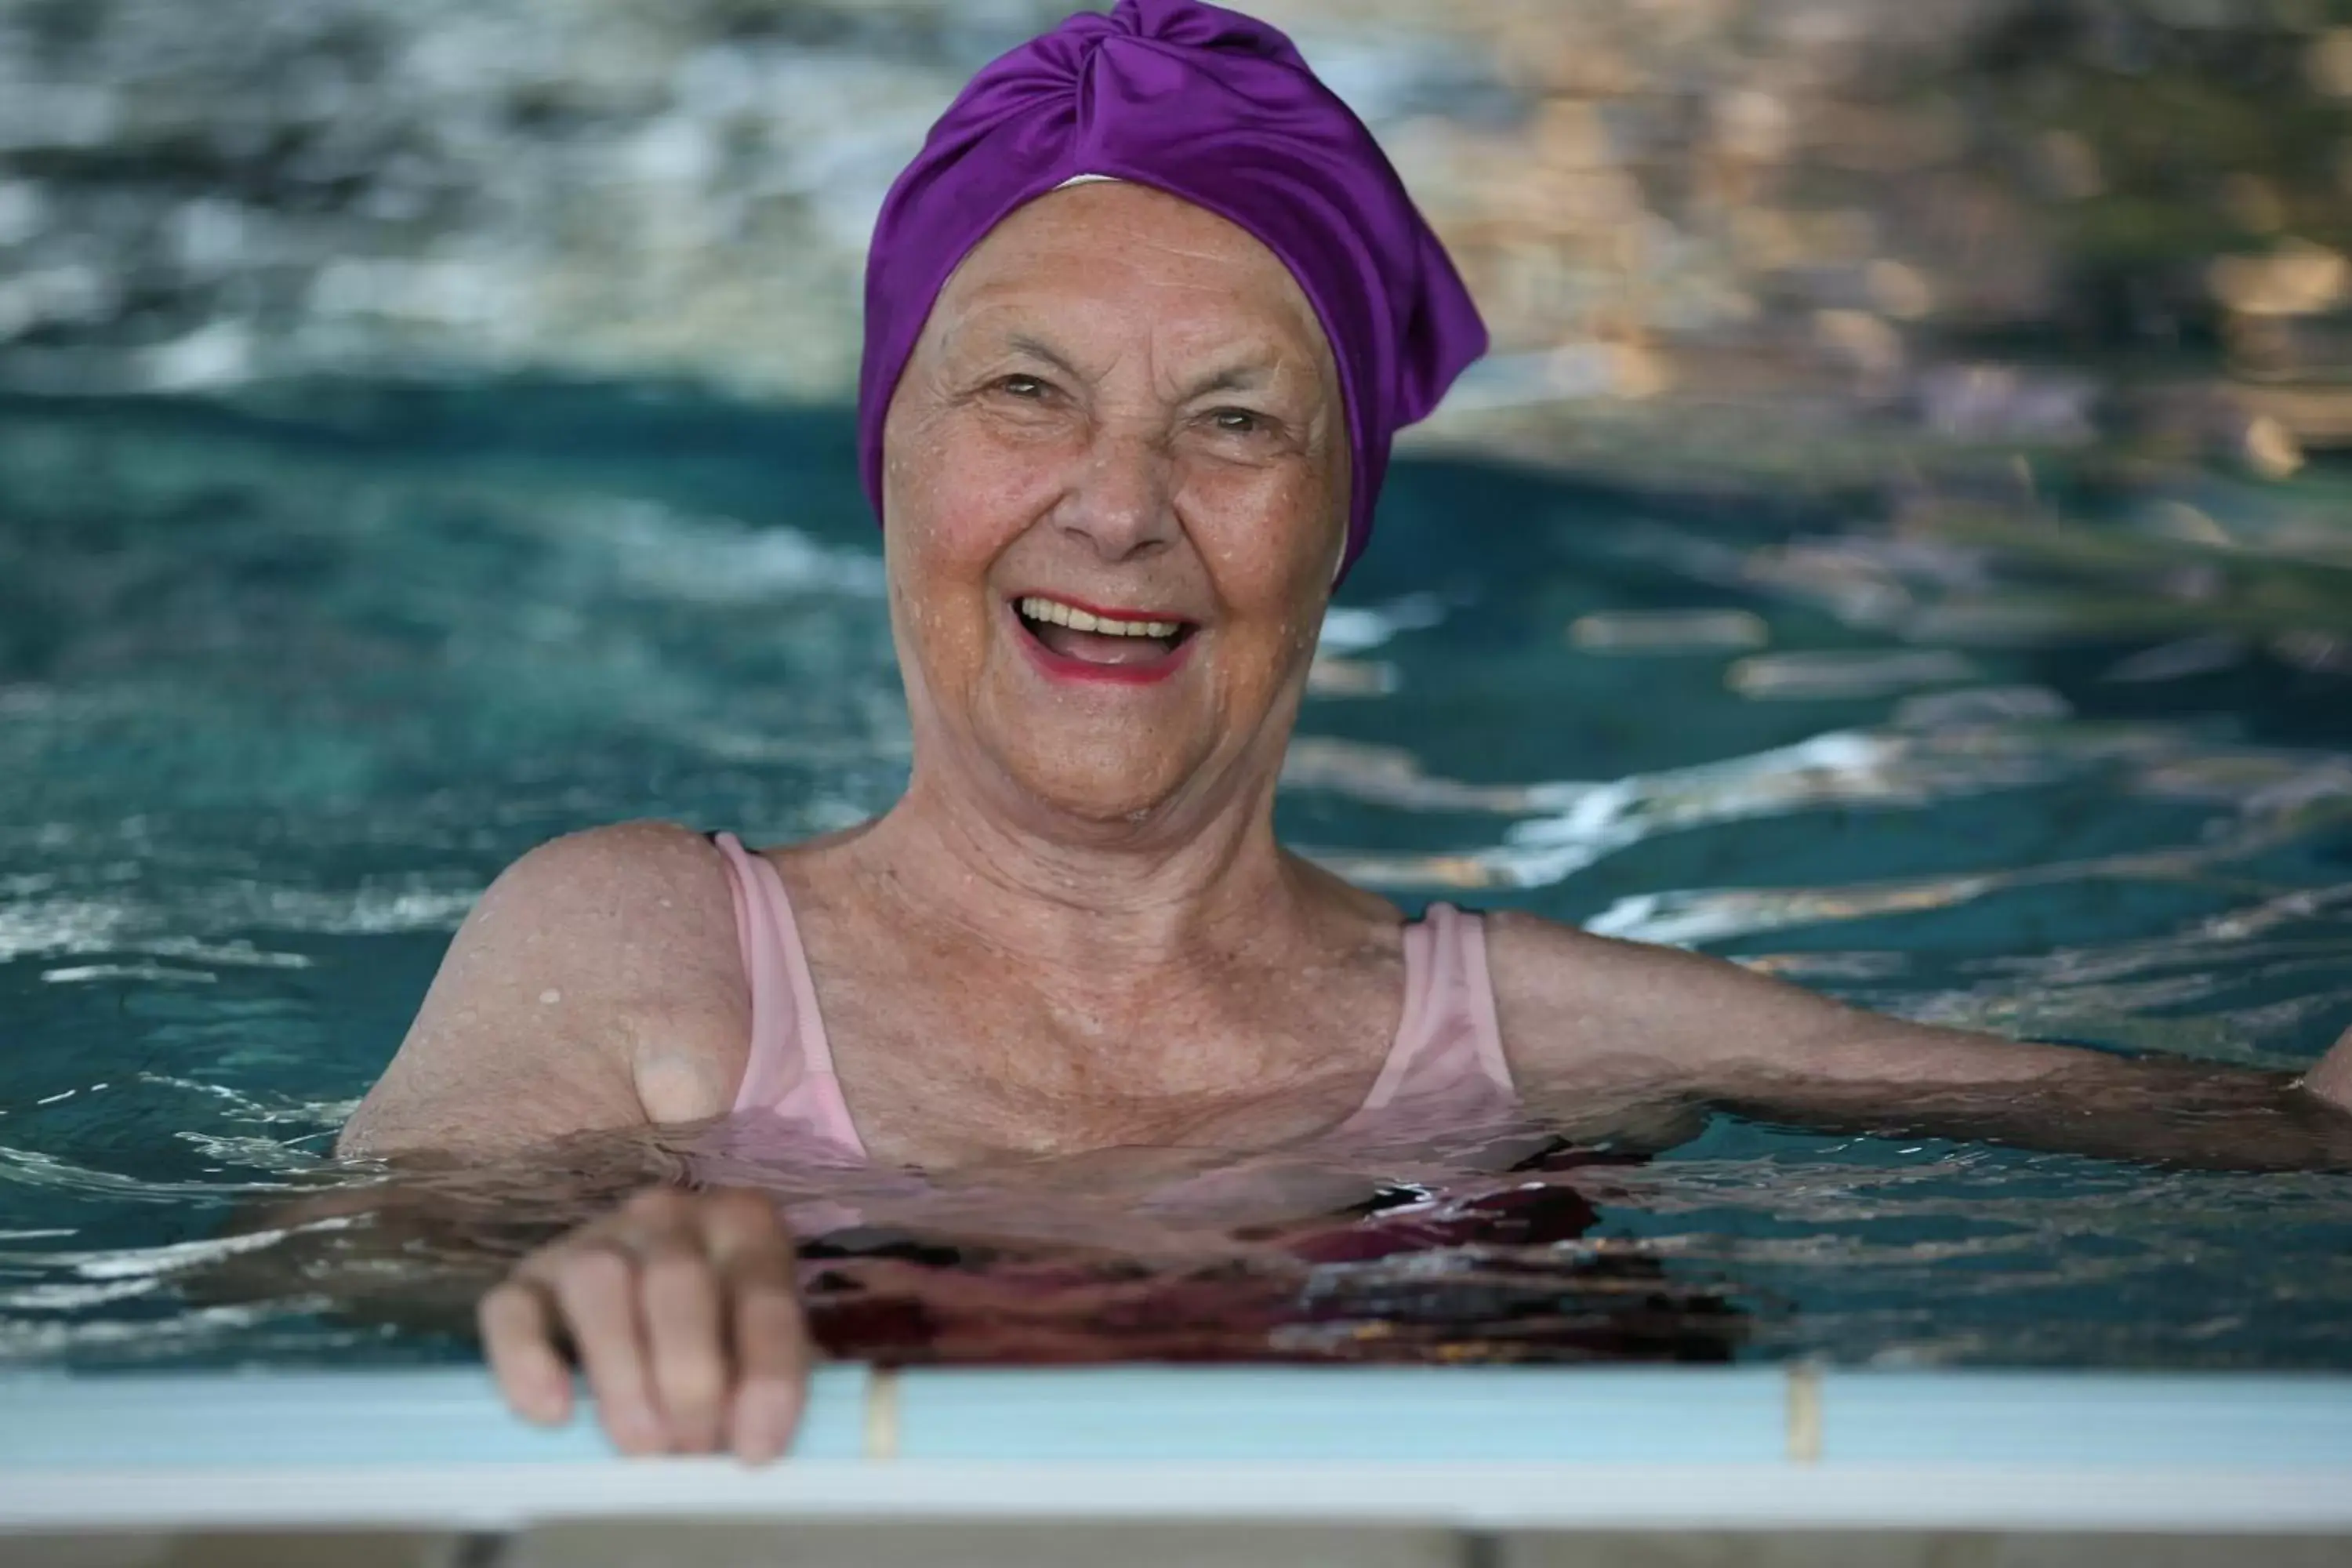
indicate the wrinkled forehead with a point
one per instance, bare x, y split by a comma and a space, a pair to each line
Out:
1089, 243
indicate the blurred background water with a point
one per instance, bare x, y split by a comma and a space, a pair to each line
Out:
1903, 540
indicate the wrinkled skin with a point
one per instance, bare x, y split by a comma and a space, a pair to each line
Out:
1117, 398
1075, 944
1125, 399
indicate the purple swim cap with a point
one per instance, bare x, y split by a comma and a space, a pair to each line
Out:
1219, 110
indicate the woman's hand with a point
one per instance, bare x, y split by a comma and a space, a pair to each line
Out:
681, 1307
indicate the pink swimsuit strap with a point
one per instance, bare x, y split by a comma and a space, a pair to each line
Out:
1448, 1049
790, 1069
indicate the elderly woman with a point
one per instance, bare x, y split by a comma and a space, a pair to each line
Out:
1141, 319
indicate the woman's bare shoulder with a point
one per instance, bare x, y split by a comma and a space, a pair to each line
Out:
599, 974
588, 870
633, 907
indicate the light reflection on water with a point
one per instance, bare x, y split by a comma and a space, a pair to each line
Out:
282, 685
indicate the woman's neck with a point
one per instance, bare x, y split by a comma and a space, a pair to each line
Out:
1093, 899
1101, 976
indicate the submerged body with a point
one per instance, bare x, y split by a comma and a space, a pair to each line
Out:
1117, 472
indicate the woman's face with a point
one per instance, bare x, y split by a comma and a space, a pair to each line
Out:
1121, 416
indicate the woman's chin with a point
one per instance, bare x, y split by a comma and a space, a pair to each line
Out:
1106, 786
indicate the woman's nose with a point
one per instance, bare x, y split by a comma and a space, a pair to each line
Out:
1123, 504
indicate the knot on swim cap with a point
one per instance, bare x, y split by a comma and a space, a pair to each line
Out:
1219, 110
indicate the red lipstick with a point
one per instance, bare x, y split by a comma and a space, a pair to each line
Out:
1062, 667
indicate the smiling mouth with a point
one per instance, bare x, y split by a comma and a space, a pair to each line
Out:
1108, 641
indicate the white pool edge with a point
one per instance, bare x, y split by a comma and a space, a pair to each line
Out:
1762, 1448
1464, 1497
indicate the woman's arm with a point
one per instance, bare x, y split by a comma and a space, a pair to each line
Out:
596, 985
592, 999
1586, 1015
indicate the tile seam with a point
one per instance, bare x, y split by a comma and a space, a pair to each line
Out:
881, 1413
1804, 1414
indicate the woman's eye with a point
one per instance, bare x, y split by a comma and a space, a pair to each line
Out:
1022, 386
1238, 421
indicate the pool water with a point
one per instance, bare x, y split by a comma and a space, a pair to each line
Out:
286, 679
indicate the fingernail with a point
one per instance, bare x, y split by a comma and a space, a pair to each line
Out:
763, 1424
638, 1431
551, 1399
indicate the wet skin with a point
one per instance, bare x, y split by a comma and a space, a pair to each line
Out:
1075, 934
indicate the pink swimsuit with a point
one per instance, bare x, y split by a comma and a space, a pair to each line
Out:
1447, 1062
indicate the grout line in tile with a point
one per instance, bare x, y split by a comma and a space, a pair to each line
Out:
479, 1549
1480, 1549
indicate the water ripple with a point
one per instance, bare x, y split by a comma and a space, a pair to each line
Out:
282, 687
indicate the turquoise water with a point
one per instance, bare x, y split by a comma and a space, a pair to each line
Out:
285, 680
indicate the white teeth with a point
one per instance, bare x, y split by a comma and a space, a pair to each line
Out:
1043, 609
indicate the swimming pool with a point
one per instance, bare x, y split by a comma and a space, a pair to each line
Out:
285, 678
